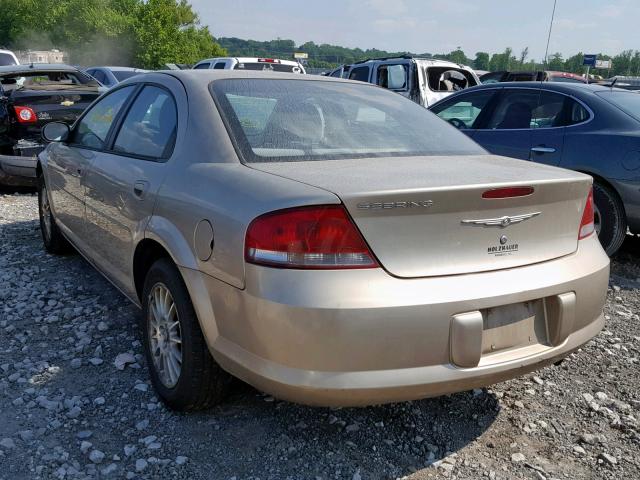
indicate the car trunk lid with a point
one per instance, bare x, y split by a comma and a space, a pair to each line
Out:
426, 216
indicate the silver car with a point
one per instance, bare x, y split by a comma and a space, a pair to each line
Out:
327, 241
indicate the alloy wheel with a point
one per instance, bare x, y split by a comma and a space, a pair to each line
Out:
165, 335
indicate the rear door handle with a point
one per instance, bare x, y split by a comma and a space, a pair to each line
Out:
140, 188
541, 149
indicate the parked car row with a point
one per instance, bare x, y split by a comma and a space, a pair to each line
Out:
546, 121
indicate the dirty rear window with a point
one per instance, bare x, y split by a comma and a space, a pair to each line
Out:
291, 120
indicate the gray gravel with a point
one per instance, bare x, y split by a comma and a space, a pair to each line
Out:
75, 401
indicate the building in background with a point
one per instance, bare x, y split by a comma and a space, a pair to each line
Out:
41, 56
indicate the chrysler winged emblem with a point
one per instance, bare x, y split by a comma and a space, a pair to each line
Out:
501, 221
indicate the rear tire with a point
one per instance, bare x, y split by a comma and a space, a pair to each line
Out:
53, 240
612, 218
183, 373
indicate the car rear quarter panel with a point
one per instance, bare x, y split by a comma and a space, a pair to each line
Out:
608, 148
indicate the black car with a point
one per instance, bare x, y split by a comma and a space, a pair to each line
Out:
30, 97
589, 128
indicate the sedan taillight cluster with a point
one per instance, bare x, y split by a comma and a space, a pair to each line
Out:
316, 237
587, 225
25, 114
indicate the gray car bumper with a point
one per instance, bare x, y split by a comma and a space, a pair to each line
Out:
17, 171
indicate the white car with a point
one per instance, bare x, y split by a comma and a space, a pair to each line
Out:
7, 57
423, 80
250, 63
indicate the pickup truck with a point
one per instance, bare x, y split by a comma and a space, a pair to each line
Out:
30, 97
423, 80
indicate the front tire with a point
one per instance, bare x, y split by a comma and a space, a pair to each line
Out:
609, 217
53, 240
183, 373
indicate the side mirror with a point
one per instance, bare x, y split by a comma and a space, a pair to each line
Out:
56, 132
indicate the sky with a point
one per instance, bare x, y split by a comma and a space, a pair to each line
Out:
432, 26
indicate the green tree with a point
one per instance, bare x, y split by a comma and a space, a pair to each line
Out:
481, 61
142, 33
555, 62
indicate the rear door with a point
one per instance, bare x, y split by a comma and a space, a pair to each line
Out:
508, 130
547, 135
123, 182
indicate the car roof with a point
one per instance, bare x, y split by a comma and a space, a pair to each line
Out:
248, 59
553, 86
206, 76
118, 69
37, 67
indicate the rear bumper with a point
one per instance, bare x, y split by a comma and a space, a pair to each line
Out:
18, 171
363, 337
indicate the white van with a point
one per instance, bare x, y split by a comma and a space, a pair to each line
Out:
7, 57
250, 63
423, 80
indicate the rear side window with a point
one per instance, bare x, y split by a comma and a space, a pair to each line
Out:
359, 73
202, 66
6, 59
514, 110
219, 66
92, 130
149, 129
576, 113
548, 113
445, 79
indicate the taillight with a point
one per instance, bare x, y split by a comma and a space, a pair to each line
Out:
25, 114
316, 237
587, 225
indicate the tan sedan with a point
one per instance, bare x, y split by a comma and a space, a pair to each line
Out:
327, 241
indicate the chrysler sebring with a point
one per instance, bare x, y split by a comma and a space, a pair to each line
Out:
327, 241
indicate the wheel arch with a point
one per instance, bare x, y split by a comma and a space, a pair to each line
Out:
602, 180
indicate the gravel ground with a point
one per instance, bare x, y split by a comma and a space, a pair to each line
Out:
67, 410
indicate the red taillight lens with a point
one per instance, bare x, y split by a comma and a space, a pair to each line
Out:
318, 237
508, 192
587, 225
25, 114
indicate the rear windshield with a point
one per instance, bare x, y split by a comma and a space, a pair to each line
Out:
269, 67
6, 59
122, 75
35, 80
628, 102
291, 120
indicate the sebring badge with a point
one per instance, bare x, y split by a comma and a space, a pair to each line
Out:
501, 221
388, 205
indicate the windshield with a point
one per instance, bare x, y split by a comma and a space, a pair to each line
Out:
628, 102
122, 75
35, 80
6, 59
291, 120
268, 67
